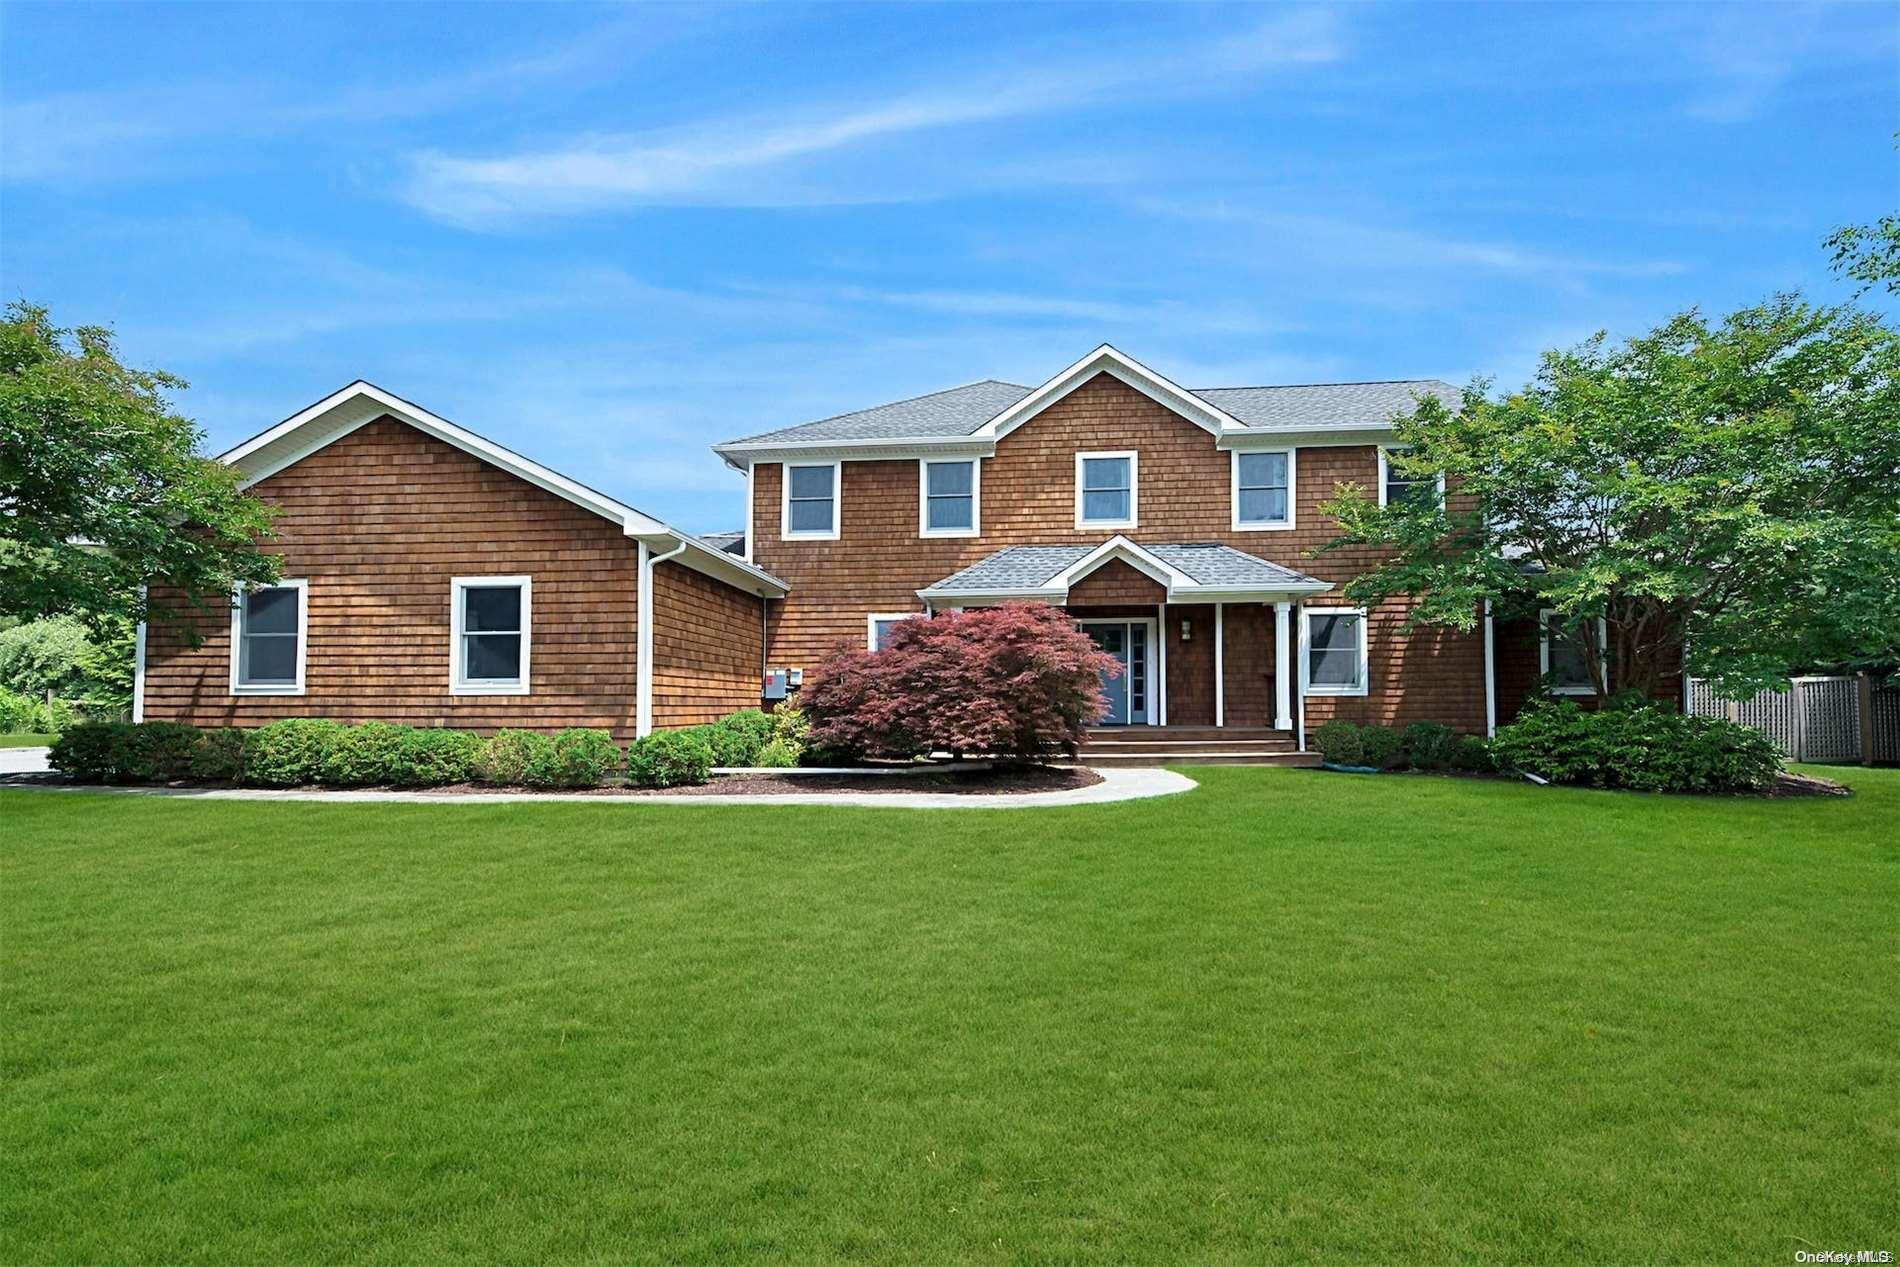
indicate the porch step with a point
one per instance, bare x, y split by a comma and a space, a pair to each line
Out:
1297, 760
1191, 745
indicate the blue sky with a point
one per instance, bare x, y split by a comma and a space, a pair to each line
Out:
609, 236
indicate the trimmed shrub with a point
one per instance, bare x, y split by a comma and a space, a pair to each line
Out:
1431, 745
288, 753
1384, 746
575, 757
361, 755
435, 758
669, 758
780, 754
119, 752
1474, 754
508, 755
218, 755
790, 724
1644, 748
92, 752
737, 738
1339, 743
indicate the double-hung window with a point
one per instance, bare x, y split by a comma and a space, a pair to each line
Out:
1263, 490
878, 626
1561, 654
948, 491
491, 618
1396, 486
268, 625
1105, 490
811, 501
1335, 651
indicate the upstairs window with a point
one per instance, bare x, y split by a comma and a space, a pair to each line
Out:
1263, 490
1566, 671
878, 626
267, 640
489, 643
811, 501
949, 492
1335, 651
1105, 490
1396, 486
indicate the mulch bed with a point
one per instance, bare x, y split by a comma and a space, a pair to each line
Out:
976, 781
1787, 784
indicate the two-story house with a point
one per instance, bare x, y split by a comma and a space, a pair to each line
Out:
433, 577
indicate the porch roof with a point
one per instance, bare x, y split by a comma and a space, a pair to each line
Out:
1190, 572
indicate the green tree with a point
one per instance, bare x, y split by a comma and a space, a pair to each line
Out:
1869, 253
1731, 486
103, 490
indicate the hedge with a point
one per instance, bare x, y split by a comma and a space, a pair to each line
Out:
289, 753
1645, 747
669, 758
1424, 745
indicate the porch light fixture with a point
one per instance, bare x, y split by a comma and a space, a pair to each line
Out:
1187, 631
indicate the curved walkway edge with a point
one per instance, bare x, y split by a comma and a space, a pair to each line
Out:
1116, 785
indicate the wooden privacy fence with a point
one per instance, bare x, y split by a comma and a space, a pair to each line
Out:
1816, 718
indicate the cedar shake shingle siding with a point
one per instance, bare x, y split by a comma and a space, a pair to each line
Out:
879, 560
707, 648
379, 522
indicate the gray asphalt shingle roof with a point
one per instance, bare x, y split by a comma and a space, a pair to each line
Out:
1032, 567
960, 411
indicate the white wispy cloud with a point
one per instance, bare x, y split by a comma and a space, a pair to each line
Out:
752, 160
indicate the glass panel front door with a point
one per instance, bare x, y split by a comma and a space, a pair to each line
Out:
1127, 694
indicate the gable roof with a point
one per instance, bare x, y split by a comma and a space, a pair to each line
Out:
361, 403
986, 410
1207, 570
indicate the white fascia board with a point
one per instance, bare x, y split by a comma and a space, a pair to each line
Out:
705, 557
1354, 435
274, 449
1119, 547
901, 448
1108, 360
1237, 594
986, 598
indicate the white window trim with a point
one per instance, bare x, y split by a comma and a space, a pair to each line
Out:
1384, 478
1544, 618
1307, 686
1292, 484
1134, 486
785, 502
923, 498
458, 685
870, 625
238, 604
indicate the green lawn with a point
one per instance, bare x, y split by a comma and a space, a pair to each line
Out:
26, 741
1291, 1016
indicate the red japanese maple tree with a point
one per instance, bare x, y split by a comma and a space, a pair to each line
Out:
1018, 682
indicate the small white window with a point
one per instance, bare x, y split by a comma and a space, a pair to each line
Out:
1105, 490
267, 639
1335, 651
492, 619
878, 626
1561, 659
1263, 490
1396, 486
811, 501
948, 498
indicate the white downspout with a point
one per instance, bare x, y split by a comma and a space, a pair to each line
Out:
1490, 676
643, 641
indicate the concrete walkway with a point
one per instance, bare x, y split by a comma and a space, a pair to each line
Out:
24, 760
1116, 785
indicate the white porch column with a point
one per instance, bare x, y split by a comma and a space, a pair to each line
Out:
1161, 662
1282, 668
1220, 675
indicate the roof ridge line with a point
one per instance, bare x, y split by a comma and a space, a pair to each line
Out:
1344, 382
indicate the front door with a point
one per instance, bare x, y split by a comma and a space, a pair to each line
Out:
1127, 693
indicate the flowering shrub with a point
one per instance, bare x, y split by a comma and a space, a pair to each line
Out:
1018, 682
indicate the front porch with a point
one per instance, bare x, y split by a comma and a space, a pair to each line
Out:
1204, 632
